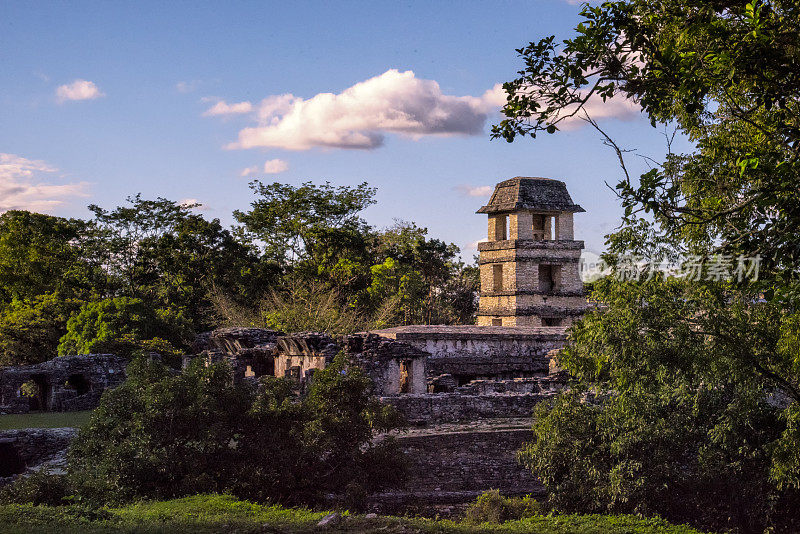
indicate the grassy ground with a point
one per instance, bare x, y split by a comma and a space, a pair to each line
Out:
214, 513
44, 420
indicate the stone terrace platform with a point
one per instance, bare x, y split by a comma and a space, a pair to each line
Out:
450, 465
481, 352
469, 332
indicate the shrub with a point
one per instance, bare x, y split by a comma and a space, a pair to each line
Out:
491, 507
162, 434
40, 487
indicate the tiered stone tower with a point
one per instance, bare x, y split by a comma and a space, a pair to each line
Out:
529, 266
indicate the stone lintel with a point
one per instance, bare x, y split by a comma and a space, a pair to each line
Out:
469, 332
548, 260
530, 244
514, 293
538, 311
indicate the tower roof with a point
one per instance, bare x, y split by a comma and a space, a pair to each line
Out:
529, 193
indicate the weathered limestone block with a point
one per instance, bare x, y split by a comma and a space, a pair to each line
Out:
234, 339
298, 355
249, 351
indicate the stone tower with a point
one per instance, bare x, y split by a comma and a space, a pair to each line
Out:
529, 265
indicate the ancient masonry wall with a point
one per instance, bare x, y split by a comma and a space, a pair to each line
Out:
449, 466
66, 383
451, 407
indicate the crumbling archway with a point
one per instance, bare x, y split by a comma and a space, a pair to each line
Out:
79, 383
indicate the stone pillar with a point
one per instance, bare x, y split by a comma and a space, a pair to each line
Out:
548, 227
521, 225
565, 230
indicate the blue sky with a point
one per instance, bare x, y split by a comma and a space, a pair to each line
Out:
181, 99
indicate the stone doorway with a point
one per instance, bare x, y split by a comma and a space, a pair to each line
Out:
40, 401
405, 376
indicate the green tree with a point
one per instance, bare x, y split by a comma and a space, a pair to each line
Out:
123, 325
695, 392
310, 224
699, 419
724, 73
119, 236
161, 252
423, 267
30, 329
181, 268
42, 254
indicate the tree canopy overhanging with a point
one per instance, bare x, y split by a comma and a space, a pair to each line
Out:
726, 74
685, 398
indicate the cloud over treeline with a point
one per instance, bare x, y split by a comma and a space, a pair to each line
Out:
361, 116
273, 166
23, 186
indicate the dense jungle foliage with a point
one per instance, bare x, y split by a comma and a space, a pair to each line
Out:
152, 273
696, 380
164, 434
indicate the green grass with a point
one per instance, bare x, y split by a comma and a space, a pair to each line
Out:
219, 513
44, 420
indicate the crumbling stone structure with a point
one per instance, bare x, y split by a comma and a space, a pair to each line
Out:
467, 391
395, 368
250, 351
63, 384
530, 264
298, 356
467, 353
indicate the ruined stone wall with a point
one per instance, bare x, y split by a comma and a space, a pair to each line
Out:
450, 465
66, 383
382, 359
436, 408
303, 364
544, 385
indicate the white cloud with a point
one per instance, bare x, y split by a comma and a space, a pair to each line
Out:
477, 191
394, 102
618, 107
273, 166
78, 90
22, 188
474, 244
191, 201
222, 108
360, 116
